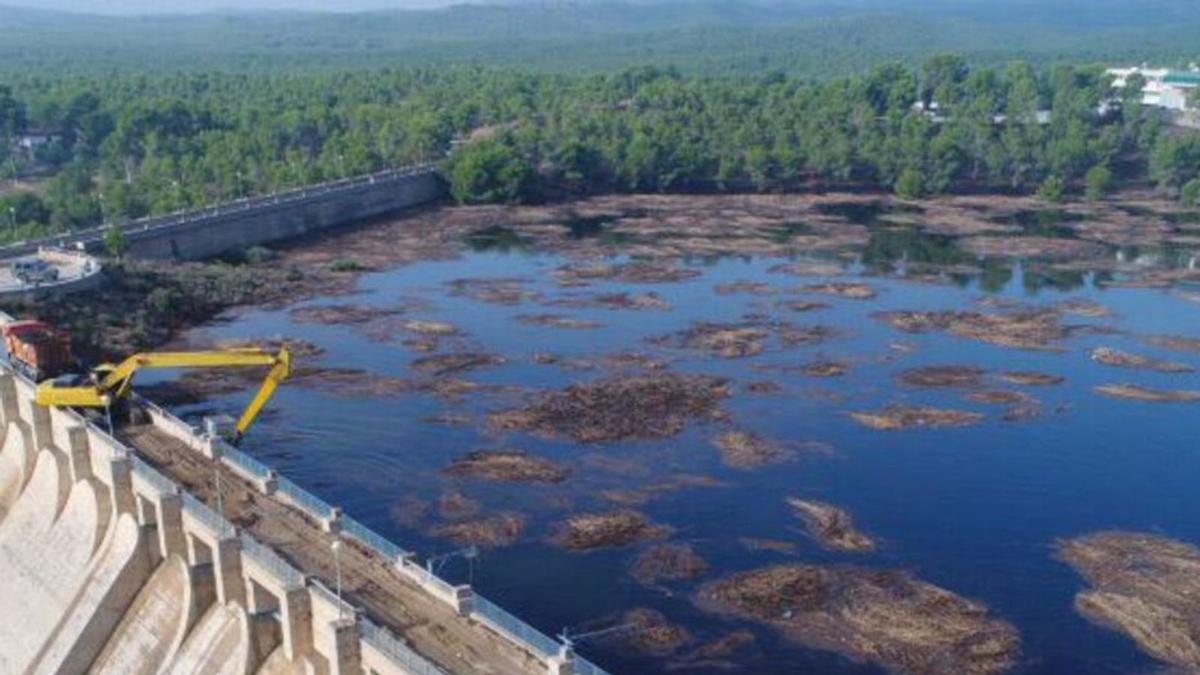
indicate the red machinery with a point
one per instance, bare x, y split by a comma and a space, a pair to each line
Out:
38, 350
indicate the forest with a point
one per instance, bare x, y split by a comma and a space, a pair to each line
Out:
127, 145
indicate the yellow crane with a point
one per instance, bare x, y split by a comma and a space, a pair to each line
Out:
111, 383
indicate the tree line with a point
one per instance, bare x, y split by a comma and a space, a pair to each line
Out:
125, 146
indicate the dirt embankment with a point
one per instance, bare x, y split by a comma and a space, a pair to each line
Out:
885, 617
649, 406
1143, 585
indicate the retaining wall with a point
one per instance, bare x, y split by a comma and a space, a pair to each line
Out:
249, 222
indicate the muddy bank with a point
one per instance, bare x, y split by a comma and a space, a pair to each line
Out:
831, 526
667, 562
507, 465
1143, 585
1115, 357
888, 618
650, 406
898, 417
1136, 392
602, 530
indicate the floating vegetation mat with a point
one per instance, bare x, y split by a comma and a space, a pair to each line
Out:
557, 321
456, 362
1136, 392
1143, 585
1031, 379
667, 562
330, 315
507, 465
649, 632
884, 617
648, 406
600, 530
854, 291
832, 526
893, 418
743, 450
1023, 329
942, 376
1115, 357
501, 529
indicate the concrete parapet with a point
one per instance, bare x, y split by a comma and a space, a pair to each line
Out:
227, 564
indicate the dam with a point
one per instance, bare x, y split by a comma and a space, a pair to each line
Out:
161, 550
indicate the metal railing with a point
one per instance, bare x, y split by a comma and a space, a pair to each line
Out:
372, 539
244, 463
382, 639
156, 480
499, 618
585, 667
326, 593
306, 501
200, 511
267, 558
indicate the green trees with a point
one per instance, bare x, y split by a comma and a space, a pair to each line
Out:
910, 184
1189, 195
1098, 182
115, 242
1052, 190
490, 171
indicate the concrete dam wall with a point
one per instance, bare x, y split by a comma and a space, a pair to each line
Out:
107, 567
249, 222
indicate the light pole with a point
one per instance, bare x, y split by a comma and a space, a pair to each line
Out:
337, 566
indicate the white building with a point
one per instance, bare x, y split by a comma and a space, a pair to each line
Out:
1164, 88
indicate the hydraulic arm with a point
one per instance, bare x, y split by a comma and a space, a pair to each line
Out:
110, 383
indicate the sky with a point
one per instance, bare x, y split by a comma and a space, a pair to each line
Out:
196, 6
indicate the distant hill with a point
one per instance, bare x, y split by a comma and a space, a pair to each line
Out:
808, 37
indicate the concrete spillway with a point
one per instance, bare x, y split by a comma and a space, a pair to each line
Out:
106, 567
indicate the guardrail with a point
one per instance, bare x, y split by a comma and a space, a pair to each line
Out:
372, 539
382, 639
304, 500
240, 206
516, 629
267, 558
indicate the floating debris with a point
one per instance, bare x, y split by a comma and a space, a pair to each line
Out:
1000, 397
775, 545
600, 530
330, 315
651, 633
645, 406
743, 450
1143, 585
803, 305
1045, 248
437, 328
1086, 308
809, 268
1139, 393
1176, 343
643, 494
456, 362
763, 387
854, 291
457, 506
744, 286
507, 465
1023, 329
667, 562
502, 529
1031, 379
714, 655
727, 341
632, 272
896, 417
503, 291
943, 376
832, 526
886, 617
635, 301
1115, 357
557, 321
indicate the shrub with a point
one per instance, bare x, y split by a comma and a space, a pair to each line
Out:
1052, 189
1099, 182
910, 184
1189, 196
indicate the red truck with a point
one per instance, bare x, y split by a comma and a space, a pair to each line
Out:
37, 349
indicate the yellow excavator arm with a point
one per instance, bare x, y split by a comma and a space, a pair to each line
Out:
115, 382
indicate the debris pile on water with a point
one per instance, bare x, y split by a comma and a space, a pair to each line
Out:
507, 465
1143, 585
832, 526
744, 450
854, 291
1137, 392
1034, 329
636, 301
631, 272
1115, 357
601, 530
942, 376
728, 341
501, 529
1031, 379
1000, 397
745, 286
1176, 343
496, 291
451, 363
715, 654
667, 562
557, 321
651, 633
330, 315
896, 417
886, 617
642, 406
803, 305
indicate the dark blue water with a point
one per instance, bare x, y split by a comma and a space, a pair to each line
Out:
976, 510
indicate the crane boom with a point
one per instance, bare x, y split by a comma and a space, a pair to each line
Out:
114, 382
